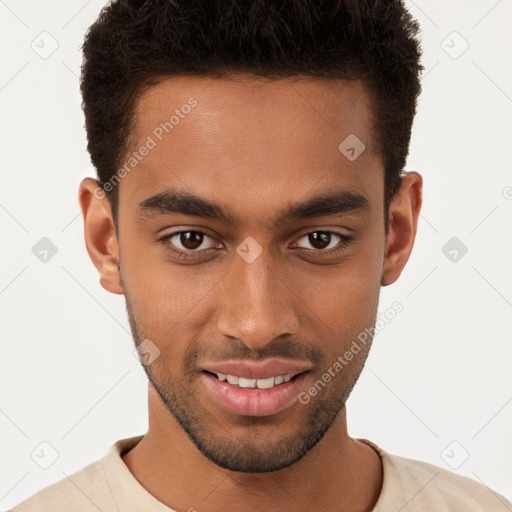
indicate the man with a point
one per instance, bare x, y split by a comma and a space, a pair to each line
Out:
250, 203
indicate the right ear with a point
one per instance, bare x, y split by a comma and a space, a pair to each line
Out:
100, 235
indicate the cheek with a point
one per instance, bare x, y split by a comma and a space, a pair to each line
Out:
165, 291
343, 300
342, 306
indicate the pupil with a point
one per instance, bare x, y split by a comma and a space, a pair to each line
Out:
191, 239
321, 239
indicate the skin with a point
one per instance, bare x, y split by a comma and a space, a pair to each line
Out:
254, 146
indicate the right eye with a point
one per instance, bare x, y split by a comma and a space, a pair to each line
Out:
191, 242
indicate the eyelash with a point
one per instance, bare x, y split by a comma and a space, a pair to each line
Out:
345, 241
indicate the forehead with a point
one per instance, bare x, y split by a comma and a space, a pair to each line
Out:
266, 141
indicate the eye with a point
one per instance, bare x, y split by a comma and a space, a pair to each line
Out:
328, 242
186, 243
194, 244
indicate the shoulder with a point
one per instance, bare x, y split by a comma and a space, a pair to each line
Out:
86, 490
430, 485
419, 486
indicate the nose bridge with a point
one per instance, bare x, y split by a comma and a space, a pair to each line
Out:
256, 306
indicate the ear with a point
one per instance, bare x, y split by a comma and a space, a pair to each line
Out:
403, 216
100, 235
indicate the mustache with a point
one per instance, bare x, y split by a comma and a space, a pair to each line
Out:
238, 350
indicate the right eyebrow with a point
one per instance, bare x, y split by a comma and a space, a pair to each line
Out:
179, 201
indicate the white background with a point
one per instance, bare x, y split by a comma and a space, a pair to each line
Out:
440, 372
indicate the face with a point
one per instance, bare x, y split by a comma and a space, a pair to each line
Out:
250, 245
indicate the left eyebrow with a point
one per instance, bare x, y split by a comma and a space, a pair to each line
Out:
182, 202
327, 203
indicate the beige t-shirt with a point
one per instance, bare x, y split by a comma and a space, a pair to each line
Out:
107, 485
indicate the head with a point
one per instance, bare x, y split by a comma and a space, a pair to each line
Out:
250, 200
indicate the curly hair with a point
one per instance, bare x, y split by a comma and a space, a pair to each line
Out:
134, 44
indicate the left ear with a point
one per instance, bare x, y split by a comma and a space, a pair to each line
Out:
402, 225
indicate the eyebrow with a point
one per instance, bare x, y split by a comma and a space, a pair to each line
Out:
176, 201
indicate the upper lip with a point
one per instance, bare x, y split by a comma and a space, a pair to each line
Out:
258, 370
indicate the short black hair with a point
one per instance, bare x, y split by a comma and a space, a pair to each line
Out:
137, 43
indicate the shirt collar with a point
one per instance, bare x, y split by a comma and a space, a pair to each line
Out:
129, 494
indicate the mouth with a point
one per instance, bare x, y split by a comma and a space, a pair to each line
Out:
246, 396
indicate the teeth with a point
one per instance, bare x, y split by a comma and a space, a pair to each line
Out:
268, 383
232, 379
265, 383
246, 383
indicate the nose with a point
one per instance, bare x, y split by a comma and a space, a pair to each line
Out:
256, 305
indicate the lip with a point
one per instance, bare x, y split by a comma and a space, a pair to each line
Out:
253, 402
257, 370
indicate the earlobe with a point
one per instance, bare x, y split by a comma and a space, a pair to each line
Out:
402, 226
100, 236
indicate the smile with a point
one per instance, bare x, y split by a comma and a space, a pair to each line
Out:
266, 383
253, 397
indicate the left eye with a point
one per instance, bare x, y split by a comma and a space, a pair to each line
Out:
324, 240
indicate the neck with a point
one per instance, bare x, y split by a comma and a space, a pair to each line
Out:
337, 474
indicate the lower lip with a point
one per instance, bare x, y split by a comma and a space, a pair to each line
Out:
254, 402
